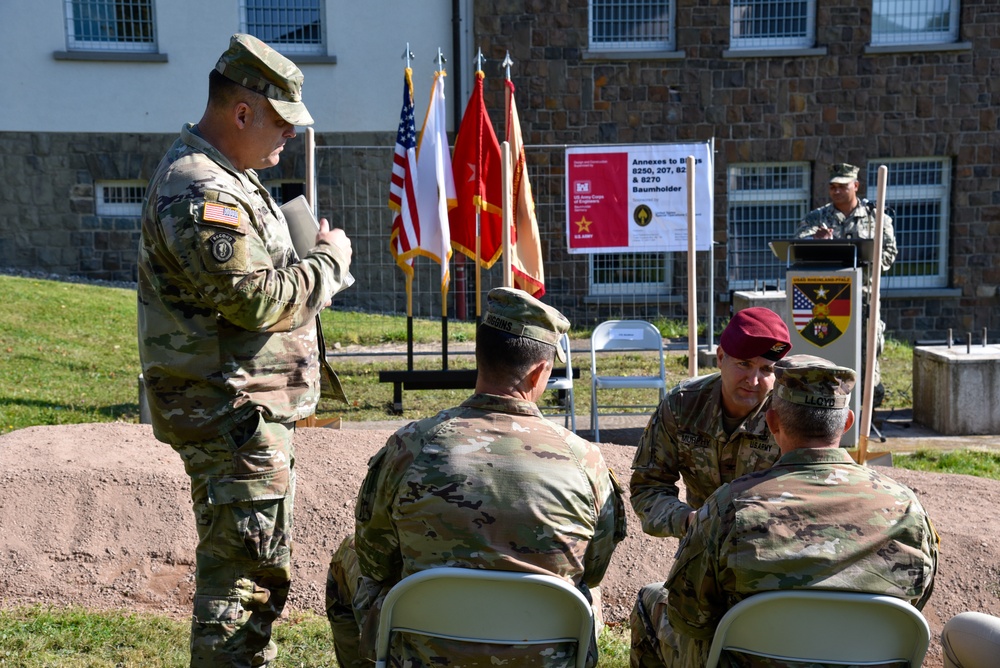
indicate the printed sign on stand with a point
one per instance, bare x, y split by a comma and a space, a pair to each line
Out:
634, 198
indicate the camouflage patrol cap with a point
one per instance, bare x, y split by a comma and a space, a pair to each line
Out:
756, 332
254, 65
813, 381
842, 172
518, 313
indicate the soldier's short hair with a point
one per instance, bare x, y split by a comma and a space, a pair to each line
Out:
505, 357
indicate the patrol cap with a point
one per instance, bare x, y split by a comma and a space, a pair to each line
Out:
516, 312
756, 332
813, 381
254, 65
842, 172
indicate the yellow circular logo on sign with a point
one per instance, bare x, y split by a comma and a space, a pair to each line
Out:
642, 215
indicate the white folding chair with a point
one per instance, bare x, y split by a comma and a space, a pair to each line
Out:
498, 607
811, 625
563, 384
623, 336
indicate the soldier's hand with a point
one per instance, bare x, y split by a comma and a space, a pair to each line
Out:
823, 233
336, 237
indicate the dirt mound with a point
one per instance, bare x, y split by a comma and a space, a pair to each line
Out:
98, 515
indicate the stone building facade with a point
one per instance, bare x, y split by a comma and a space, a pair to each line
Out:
841, 100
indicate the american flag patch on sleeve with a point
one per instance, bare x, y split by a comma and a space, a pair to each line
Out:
218, 213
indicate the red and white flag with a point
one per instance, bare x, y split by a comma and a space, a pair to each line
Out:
526, 247
477, 183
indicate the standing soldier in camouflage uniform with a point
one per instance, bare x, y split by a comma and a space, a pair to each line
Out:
710, 430
490, 484
229, 345
849, 217
815, 519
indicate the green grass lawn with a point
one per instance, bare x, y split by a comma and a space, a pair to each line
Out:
68, 355
37, 637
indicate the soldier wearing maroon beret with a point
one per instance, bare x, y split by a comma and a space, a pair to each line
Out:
710, 430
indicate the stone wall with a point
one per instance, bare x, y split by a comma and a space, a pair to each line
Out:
844, 104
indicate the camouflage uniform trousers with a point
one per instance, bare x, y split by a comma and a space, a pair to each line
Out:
655, 644
242, 490
350, 600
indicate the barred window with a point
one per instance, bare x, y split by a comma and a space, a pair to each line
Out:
632, 25
630, 273
762, 24
914, 22
285, 191
110, 25
917, 196
766, 202
292, 26
119, 198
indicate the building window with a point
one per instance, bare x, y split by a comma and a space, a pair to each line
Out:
110, 25
763, 24
630, 273
632, 25
914, 22
285, 191
119, 198
917, 194
292, 26
766, 202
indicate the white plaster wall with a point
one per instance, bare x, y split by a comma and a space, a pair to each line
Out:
362, 92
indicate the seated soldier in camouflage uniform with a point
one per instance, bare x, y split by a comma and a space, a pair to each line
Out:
816, 519
490, 484
848, 216
710, 430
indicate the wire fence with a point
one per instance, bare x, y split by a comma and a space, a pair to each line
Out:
588, 289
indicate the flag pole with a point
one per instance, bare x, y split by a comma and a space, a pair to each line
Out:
868, 394
479, 251
311, 170
692, 275
505, 179
506, 189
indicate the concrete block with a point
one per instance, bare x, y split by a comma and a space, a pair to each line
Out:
956, 391
772, 299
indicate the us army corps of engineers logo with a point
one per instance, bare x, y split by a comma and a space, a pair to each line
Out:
821, 307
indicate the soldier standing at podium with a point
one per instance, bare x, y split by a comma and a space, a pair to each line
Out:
849, 217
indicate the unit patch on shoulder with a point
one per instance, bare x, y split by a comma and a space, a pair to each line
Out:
222, 246
219, 213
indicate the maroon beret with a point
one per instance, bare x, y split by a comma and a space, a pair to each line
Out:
756, 332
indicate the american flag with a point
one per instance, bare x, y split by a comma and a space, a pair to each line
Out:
802, 308
222, 214
405, 235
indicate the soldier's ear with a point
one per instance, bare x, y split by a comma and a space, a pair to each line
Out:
773, 422
850, 420
242, 115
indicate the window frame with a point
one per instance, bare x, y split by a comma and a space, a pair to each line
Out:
288, 48
133, 196
806, 41
603, 288
74, 43
743, 197
898, 194
881, 38
662, 43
